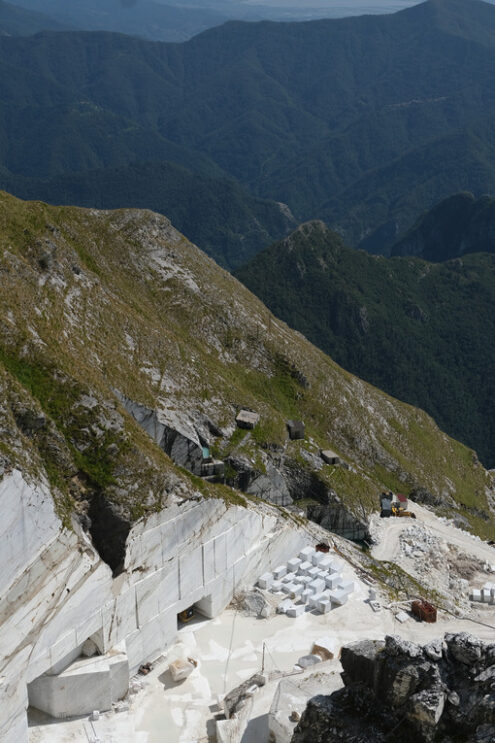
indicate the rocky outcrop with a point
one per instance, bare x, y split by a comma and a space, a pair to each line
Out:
397, 690
178, 440
335, 517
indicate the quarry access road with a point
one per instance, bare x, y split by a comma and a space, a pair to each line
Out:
388, 531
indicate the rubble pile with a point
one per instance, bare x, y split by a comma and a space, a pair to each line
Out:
397, 690
439, 565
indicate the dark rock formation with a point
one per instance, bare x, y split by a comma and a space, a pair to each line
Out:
186, 451
397, 690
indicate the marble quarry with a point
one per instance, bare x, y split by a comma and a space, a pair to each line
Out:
311, 581
71, 634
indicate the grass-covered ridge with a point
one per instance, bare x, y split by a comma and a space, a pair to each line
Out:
98, 302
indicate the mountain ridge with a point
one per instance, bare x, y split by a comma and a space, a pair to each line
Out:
17, 21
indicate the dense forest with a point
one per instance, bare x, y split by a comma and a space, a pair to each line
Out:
362, 122
424, 332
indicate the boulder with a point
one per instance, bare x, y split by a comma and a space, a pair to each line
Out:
182, 669
425, 710
464, 648
309, 660
254, 604
398, 690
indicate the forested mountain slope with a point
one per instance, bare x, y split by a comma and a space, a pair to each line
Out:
364, 122
423, 332
458, 225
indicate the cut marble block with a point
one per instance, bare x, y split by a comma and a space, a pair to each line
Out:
317, 557
304, 567
297, 592
305, 554
293, 564
288, 578
322, 574
475, 594
338, 597
317, 585
313, 572
325, 647
266, 580
276, 586
326, 562
347, 586
324, 606
486, 595
280, 572
288, 588
306, 595
337, 566
296, 611
332, 581
315, 598
306, 579
284, 605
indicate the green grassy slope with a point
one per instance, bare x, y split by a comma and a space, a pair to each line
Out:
94, 302
214, 212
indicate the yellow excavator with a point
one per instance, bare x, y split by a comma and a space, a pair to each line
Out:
186, 615
401, 513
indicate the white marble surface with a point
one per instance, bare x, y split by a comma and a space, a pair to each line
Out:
56, 592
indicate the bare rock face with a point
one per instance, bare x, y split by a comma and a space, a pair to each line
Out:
397, 690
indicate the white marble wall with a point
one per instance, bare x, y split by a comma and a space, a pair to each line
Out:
55, 592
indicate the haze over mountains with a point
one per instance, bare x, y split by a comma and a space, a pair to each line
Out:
178, 20
398, 113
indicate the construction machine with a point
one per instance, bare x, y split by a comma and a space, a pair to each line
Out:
186, 615
401, 513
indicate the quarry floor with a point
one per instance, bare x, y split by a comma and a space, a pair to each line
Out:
229, 650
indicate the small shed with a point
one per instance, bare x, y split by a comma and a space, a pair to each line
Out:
330, 457
296, 430
401, 501
247, 419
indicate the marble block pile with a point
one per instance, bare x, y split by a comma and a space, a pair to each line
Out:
311, 581
485, 595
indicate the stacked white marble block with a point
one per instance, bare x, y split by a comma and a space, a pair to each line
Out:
485, 595
311, 582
